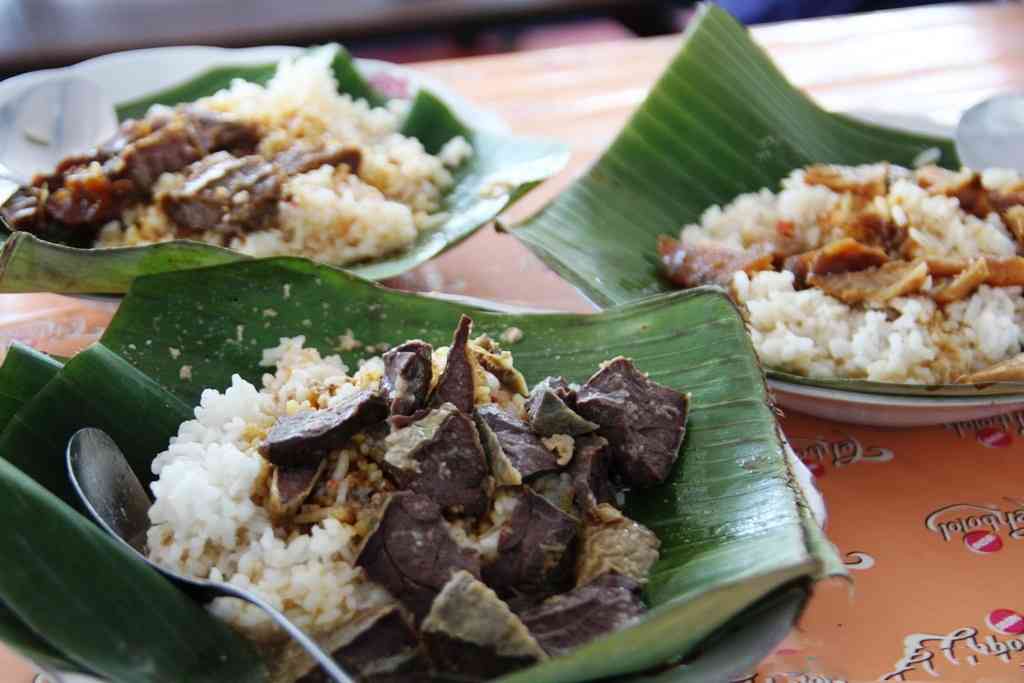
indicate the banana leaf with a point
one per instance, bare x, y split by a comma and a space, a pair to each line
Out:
734, 526
502, 169
722, 120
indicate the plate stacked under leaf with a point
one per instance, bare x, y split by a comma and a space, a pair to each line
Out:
721, 121
501, 170
740, 547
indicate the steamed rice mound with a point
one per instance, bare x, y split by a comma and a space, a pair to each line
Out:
909, 339
330, 213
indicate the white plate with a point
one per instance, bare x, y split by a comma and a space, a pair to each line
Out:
878, 410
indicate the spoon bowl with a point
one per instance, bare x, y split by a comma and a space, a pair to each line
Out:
991, 133
117, 501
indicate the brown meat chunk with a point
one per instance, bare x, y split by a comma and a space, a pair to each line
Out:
377, 644
589, 470
456, 385
407, 375
875, 285
945, 267
643, 421
964, 284
218, 131
1014, 219
549, 414
226, 194
170, 148
1009, 370
964, 185
613, 542
88, 198
535, 555
305, 438
411, 552
472, 633
868, 183
708, 263
841, 256
304, 157
441, 456
290, 486
564, 622
859, 219
1005, 272
515, 452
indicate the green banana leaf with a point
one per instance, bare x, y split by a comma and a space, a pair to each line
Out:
722, 120
502, 169
735, 529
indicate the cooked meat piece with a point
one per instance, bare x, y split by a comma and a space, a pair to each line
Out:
515, 453
1014, 219
218, 131
441, 456
708, 263
964, 284
88, 198
841, 256
1009, 370
169, 148
26, 210
1005, 272
643, 421
964, 185
379, 643
613, 542
564, 622
304, 157
561, 387
411, 552
859, 219
226, 194
535, 550
306, 437
456, 385
867, 183
558, 489
875, 285
589, 471
945, 267
290, 486
472, 633
500, 365
549, 414
407, 375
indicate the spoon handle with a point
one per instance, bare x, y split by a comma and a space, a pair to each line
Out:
326, 662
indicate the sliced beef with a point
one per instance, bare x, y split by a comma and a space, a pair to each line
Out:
216, 131
456, 385
305, 157
411, 552
558, 489
407, 375
88, 198
858, 218
875, 285
170, 148
305, 438
868, 182
440, 456
291, 486
964, 284
378, 644
549, 414
515, 452
709, 263
842, 256
226, 194
643, 421
470, 632
589, 470
535, 551
26, 210
964, 185
612, 542
564, 622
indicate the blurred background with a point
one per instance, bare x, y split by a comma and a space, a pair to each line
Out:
45, 33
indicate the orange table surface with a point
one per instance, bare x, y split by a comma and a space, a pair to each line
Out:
930, 521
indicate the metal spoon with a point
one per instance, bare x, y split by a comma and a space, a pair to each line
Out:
116, 499
991, 133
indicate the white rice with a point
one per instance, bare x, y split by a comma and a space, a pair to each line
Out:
328, 214
808, 332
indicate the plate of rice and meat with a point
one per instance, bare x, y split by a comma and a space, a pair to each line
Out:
226, 154
881, 281
506, 501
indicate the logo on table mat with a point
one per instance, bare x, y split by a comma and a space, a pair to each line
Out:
982, 528
789, 677
983, 542
858, 560
1006, 622
993, 432
928, 652
841, 452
